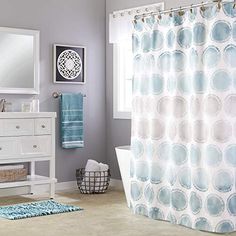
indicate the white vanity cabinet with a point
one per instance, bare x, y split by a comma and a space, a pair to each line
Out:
28, 137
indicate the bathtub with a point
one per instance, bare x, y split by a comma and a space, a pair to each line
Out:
123, 154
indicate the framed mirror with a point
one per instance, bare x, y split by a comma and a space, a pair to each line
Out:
19, 61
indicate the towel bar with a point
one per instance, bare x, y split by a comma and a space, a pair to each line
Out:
57, 95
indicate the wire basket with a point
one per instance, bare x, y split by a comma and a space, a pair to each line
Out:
91, 182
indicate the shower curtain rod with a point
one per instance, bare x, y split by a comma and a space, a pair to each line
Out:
181, 9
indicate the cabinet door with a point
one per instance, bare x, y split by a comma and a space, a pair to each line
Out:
9, 148
17, 127
43, 126
36, 145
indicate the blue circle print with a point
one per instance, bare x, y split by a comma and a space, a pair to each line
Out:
211, 56
199, 82
203, 224
136, 191
193, 58
221, 31
156, 174
157, 40
221, 80
135, 43
192, 14
171, 218
230, 55
157, 84
149, 194
184, 37
142, 170
146, 42
225, 226
177, 19
185, 177
229, 9
199, 34
178, 60
179, 154
214, 205
132, 168
156, 214
171, 176
170, 39
213, 155
201, 180
150, 150
195, 203
164, 151
234, 31
185, 83
209, 12
231, 204
141, 209
164, 61
150, 21
163, 196
186, 221
137, 148
165, 20
230, 155
171, 84
138, 26
178, 200
195, 155
223, 181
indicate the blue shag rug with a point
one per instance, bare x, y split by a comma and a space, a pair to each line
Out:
41, 208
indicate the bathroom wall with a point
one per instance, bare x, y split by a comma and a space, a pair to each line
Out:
75, 22
118, 131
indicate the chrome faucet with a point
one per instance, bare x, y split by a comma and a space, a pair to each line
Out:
2, 105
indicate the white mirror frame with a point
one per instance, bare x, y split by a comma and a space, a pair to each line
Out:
35, 89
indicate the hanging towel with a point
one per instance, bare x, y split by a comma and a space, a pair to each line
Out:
72, 131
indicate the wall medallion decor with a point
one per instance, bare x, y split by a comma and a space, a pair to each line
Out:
69, 64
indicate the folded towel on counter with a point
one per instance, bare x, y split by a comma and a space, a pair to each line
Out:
72, 130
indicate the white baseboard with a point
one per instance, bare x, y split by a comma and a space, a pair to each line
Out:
63, 186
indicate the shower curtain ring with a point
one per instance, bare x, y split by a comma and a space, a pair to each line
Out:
234, 6
159, 15
191, 9
202, 7
134, 21
219, 4
171, 12
143, 18
181, 12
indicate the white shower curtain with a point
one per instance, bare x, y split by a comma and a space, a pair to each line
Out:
183, 118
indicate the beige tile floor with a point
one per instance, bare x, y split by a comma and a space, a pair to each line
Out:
105, 215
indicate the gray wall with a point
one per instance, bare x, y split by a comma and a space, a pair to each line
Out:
75, 22
118, 131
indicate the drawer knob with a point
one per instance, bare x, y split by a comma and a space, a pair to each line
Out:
43, 126
35, 146
17, 127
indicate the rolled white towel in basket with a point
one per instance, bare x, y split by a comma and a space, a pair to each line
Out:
93, 178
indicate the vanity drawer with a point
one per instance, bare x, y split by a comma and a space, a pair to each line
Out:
17, 127
36, 145
43, 126
9, 147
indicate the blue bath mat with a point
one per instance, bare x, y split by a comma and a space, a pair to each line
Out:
42, 208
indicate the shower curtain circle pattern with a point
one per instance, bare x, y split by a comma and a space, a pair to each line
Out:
183, 118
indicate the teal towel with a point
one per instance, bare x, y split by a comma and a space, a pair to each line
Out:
72, 130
